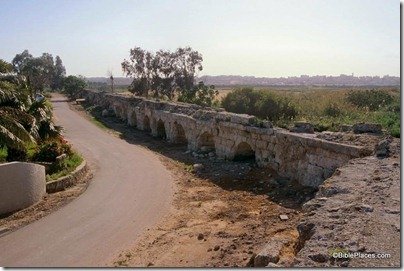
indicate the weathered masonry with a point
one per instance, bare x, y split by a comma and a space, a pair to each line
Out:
301, 157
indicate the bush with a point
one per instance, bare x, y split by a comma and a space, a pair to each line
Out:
63, 168
48, 151
332, 110
390, 121
260, 103
370, 99
200, 94
16, 155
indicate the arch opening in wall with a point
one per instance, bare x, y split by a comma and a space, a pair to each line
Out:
117, 111
180, 134
132, 120
146, 124
161, 130
206, 142
244, 152
123, 114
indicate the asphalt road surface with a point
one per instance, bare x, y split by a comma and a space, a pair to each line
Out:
130, 192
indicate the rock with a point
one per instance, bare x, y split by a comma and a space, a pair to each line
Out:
61, 157
212, 154
200, 236
365, 127
105, 113
204, 149
283, 217
201, 156
346, 128
270, 254
382, 148
391, 211
272, 181
194, 154
198, 167
367, 208
216, 248
320, 257
302, 127
187, 152
3, 230
273, 265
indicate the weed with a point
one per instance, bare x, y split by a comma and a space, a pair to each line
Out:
64, 167
185, 167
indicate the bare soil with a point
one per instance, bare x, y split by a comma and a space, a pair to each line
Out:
222, 214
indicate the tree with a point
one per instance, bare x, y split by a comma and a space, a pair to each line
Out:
260, 103
164, 73
60, 73
42, 112
111, 78
139, 67
21, 120
39, 72
186, 63
16, 126
200, 94
5, 67
20, 60
73, 85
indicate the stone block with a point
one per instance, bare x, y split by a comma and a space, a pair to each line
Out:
261, 144
364, 127
270, 254
302, 127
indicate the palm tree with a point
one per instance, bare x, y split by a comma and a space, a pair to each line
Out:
21, 120
42, 111
17, 127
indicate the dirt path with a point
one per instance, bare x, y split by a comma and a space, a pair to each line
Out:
131, 191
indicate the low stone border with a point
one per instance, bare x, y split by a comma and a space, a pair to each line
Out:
66, 181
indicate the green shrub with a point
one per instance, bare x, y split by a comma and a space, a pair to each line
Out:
200, 94
390, 121
260, 103
16, 155
3, 154
66, 166
370, 99
332, 110
48, 151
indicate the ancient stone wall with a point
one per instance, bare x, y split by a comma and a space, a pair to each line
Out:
301, 157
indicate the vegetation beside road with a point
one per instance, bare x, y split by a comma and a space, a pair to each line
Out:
27, 129
326, 109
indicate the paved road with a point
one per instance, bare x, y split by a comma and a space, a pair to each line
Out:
131, 191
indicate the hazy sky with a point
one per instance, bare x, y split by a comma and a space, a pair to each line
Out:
269, 38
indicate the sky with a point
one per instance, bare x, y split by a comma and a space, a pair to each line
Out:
262, 38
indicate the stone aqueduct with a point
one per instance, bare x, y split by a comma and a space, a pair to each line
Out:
301, 157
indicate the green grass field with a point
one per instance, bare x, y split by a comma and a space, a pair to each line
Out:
327, 107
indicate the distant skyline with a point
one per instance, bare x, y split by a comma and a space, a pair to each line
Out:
262, 38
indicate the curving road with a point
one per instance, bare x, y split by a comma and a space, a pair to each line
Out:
131, 191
